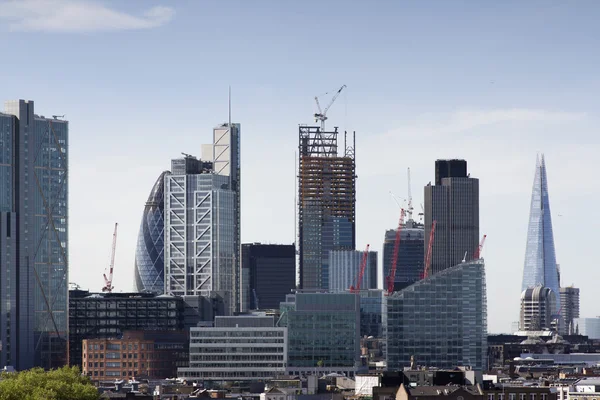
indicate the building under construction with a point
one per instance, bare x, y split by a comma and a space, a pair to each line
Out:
326, 202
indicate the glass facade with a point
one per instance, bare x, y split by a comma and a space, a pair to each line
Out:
540, 267
372, 308
323, 330
441, 320
149, 256
344, 267
411, 254
200, 235
7, 134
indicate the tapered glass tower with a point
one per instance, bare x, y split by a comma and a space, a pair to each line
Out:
540, 267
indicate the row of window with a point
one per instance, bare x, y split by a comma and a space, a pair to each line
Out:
522, 396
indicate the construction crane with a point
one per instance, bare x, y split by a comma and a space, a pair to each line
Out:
361, 271
322, 114
410, 204
427, 267
108, 287
392, 276
477, 253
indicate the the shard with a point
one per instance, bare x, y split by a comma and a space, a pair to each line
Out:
540, 267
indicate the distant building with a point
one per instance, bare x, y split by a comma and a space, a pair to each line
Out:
150, 252
569, 300
108, 315
538, 309
148, 354
323, 332
589, 327
344, 267
540, 268
453, 202
268, 274
372, 307
246, 347
326, 203
411, 254
34, 186
448, 320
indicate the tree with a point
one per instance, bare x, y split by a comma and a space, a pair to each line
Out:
36, 384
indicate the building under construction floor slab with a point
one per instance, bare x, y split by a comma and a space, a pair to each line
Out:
326, 202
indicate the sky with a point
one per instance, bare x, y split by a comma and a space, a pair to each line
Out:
495, 83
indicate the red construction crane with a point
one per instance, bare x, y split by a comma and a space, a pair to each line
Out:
477, 253
361, 271
427, 267
108, 287
392, 276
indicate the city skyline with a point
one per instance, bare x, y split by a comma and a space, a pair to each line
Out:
492, 87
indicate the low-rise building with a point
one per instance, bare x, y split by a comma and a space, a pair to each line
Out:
149, 354
247, 347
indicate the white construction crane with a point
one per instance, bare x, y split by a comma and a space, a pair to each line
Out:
108, 287
322, 114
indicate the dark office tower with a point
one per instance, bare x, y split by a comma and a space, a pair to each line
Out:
268, 274
409, 264
453, 202
569, 300
326, 203
33, 238
150, 253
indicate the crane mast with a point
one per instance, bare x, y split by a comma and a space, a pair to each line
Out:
108, 287
477, 254
361, 271
427, 268
392, 276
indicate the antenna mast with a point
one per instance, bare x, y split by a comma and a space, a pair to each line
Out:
410, 203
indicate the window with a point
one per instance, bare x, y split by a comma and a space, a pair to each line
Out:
521, 396
532, 396
490, 396
544, 396
512, 396
500, 396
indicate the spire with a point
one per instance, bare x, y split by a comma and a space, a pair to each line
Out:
229, 107
540, 259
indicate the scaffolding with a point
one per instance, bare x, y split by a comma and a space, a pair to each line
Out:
326, 187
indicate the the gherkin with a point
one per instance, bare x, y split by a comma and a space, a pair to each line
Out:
540, 267
149, 254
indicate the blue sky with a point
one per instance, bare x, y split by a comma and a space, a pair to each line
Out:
492, 82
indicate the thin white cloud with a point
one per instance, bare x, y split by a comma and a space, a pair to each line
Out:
70, 16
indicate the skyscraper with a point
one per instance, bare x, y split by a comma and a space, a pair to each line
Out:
269, 274
326, 203
540, 267
149, 255
344, 266
440, 320
200, 242
33, 237
537, 309
569, 298
453, 202
409, 264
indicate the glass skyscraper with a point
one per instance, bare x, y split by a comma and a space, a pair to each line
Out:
440, 320
33, 237
344, 267
149, 255
409, 265
540, 267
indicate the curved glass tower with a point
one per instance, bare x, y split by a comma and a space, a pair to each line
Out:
149, 254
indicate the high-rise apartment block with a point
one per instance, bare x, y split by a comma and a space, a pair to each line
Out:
569, 300
441, 320
326, 203
202, 221
33, 237
410, 260
453, 202
150, 252
268, 274
344, 268
540, 268
538, 305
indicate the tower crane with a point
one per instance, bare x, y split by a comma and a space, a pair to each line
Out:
322, 114
392, 276
108, 287
477, 254
361, 271
427, 268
